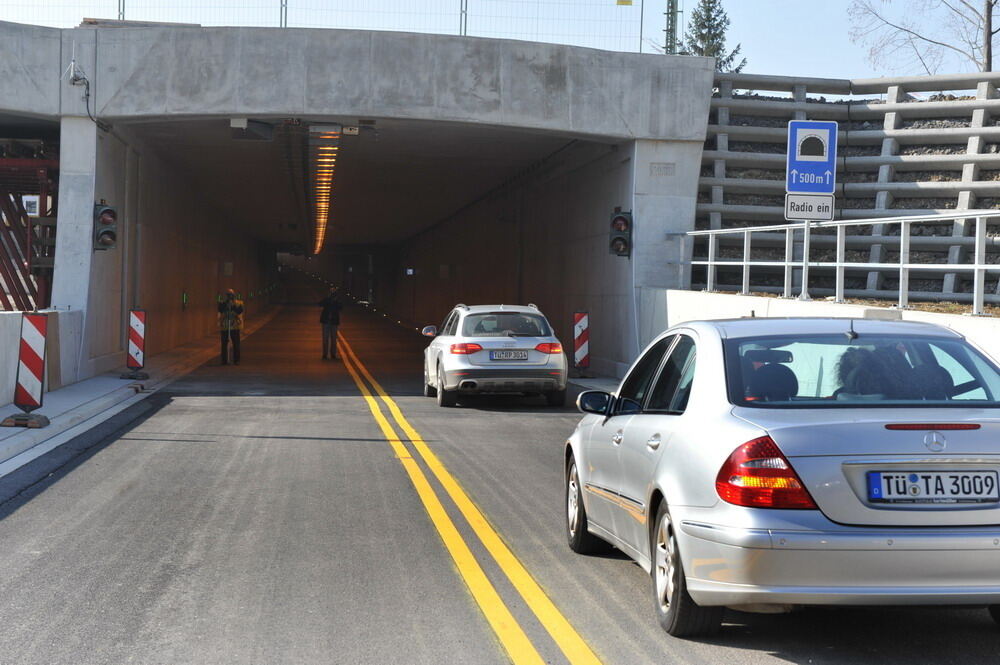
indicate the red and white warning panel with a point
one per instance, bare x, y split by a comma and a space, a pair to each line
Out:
581, 339
30, 373
136, 359
31, 362
136, 339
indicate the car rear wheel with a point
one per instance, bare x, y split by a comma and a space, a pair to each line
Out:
445, 397
580, 540
556, 398
677, 612
429, 390
995, 612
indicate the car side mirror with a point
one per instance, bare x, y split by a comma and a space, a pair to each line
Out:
429, 331
594, 401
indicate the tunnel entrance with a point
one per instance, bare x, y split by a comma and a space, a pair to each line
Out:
421, 215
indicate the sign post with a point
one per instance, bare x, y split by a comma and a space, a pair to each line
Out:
810, 179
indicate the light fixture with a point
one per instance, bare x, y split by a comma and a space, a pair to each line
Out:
323, 149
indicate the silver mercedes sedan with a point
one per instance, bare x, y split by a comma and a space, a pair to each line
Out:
763, 464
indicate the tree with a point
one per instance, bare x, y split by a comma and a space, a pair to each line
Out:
706, 35
925, 34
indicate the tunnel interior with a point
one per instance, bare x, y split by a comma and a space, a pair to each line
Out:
422, 215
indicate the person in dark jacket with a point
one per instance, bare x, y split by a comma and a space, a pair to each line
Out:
330, 319
230, 325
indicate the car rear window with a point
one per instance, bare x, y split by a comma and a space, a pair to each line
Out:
498, 324
832, 371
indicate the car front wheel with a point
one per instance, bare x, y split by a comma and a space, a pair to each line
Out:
580, 540
677, 612
445, 397
429, 390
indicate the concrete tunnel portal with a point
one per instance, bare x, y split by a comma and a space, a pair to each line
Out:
474, 170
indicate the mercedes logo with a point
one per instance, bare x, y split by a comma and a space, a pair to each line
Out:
935, 442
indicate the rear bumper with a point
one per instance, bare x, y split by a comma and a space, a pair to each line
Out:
735, 566
536, 380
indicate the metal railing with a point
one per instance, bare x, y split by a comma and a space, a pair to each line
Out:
978, 267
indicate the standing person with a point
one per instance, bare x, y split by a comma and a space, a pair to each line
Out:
230, 325
330, 318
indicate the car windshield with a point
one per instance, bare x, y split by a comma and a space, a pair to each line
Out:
832, 371
498, 324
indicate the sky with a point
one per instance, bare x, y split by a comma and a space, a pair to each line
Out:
781, 37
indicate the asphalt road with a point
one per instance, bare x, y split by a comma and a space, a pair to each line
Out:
258, 514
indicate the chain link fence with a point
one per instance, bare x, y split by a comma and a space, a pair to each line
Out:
618, 25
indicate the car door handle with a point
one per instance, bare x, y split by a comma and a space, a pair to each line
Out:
616, 438
654, 442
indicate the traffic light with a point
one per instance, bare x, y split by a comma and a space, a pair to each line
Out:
621, 234
105, 226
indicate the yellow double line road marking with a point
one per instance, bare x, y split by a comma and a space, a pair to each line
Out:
510, 633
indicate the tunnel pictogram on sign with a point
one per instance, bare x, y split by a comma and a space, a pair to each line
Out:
30, 383
136, 359
581, 340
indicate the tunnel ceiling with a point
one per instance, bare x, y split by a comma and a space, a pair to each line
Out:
391, 181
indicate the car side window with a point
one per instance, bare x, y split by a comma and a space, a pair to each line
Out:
637, 383
453, 325
448, 326
672, 389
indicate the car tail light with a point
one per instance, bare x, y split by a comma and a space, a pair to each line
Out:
549, 347
933, 426
758, 475
465, 348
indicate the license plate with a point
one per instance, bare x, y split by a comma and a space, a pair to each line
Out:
508, 355
933, 487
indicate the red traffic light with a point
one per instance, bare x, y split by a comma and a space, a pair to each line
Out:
621, 223
107, 216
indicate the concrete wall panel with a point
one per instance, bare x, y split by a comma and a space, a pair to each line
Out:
344, 73
30, 64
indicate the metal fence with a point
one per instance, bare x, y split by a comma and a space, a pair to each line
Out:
619, 25
800, 235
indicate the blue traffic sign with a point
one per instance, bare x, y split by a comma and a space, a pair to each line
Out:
811, 166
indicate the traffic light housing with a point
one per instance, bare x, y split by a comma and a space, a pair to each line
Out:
620, 243
105, 226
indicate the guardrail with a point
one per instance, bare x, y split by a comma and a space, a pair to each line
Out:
978, 266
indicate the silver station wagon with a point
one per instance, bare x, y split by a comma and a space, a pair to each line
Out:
764, 464
494, 349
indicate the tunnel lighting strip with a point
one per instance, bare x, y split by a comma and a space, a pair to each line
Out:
323, 148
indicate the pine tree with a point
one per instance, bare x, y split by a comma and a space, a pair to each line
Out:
706, 35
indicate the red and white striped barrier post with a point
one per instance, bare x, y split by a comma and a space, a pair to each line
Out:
30, 373
136, 359
581, 340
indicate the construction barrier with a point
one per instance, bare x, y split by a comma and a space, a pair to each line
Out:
136, 359
581, 340
30, 386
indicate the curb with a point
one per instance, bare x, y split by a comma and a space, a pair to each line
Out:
21, 448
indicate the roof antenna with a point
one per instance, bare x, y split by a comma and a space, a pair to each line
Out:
851, 335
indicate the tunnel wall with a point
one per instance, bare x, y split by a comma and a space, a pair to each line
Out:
170, 241
544, 240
